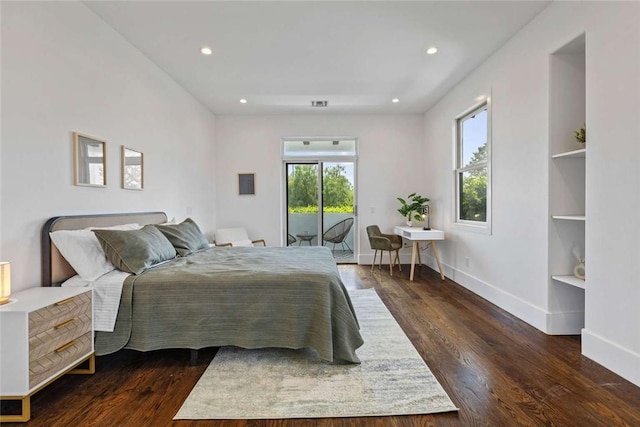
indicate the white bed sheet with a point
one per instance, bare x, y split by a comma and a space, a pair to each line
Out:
107, 290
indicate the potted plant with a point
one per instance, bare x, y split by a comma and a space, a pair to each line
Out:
581, 135
412, 207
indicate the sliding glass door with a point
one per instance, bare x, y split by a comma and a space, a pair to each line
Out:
338, 209
320, 205
303, 204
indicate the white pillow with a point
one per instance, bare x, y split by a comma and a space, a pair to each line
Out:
83, 252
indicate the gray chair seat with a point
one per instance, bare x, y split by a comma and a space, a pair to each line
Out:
384, 242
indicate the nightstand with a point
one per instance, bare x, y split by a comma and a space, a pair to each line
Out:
44, 333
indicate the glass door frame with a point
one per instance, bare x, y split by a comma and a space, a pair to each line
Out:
319, 160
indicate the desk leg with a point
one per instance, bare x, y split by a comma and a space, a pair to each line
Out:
413, 259
434, 247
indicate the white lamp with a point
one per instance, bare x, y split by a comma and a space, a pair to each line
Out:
5, 282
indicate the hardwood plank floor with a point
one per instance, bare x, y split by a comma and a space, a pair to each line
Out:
497, 369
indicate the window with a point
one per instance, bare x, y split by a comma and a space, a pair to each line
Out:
472, 168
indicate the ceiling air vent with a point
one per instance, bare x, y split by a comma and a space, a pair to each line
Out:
319, 103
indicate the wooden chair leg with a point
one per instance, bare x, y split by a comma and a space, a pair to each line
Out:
375, 253
398, 259
390, 265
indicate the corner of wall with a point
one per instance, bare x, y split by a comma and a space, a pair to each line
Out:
618, 359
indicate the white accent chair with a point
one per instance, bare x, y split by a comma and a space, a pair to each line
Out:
235, 237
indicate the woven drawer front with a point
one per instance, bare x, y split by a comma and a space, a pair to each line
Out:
47, 341
55, 314
46, 366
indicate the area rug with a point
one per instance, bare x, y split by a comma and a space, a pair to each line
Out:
278, 383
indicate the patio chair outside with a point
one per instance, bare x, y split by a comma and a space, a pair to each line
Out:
338, 233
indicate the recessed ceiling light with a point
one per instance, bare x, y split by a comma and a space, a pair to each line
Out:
432, 50
206, 50
243, 101
395, 100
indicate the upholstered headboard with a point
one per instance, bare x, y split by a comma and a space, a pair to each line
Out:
55, 269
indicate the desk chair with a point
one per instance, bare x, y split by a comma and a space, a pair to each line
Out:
384, 242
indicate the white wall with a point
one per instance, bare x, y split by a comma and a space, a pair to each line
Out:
65, 70
612, 324
509, 267
389, 166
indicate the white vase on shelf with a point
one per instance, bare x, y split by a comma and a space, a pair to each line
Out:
409, 223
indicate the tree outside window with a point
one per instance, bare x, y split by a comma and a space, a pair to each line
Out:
303, 189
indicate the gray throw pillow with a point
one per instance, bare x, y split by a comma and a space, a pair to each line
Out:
186, 237
134, 251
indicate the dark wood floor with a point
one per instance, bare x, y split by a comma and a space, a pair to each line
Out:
497, 369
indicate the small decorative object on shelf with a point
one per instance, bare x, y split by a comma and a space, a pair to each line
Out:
581, 135
413, 208
5, 282
579, 269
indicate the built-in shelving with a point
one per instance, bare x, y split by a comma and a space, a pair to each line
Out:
567, 167
570, 280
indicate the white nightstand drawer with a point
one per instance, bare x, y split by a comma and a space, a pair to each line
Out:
51, 339
61, 357
44, 333
55, 314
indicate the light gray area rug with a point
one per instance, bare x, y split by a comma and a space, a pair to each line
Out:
278, 383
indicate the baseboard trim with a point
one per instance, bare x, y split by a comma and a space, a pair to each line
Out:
612, 356
565, 323
556, 323
551, 323
620, 360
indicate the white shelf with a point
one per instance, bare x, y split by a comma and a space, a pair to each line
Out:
570, 217
570, 280
571, 154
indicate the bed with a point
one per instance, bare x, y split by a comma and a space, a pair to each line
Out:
289, 297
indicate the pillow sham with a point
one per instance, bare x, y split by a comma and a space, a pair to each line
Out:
83, 252
134, 251
186, 237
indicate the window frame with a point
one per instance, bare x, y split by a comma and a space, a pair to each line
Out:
458, 169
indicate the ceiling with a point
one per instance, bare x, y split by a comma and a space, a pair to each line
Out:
280, 56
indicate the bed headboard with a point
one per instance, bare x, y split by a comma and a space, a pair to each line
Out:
55, 269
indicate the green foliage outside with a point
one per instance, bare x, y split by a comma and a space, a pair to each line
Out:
337, 191
302, 186
473, 194
327, 209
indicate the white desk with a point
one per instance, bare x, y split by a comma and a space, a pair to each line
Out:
417, 235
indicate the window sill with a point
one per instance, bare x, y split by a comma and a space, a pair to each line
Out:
474, 228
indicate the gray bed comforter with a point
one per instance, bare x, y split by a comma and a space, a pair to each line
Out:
247, 297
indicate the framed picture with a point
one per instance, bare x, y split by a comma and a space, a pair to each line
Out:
246, 184
132, 169
89, 161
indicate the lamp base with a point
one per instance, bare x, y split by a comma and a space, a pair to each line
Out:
426, 228
4, 300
